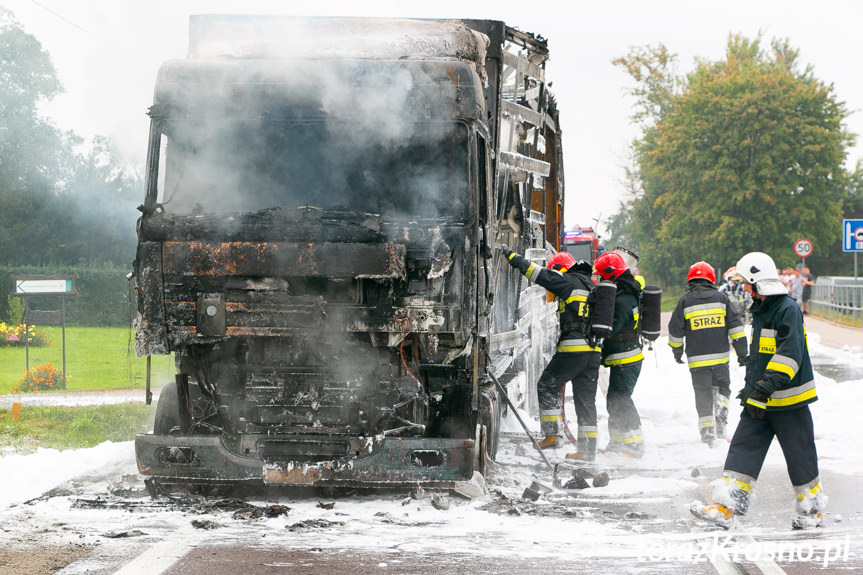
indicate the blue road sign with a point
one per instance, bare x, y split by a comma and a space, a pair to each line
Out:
852, 235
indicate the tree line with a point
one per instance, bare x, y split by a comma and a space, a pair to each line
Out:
742, 154
63, 201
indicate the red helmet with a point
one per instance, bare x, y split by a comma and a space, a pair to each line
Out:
561, 261
701, 270
610, 265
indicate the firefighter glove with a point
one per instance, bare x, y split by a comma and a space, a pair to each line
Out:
756, 402
678, 358
742, 361
507, 253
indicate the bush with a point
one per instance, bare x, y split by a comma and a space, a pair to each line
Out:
42, 378
13, 336
15, 308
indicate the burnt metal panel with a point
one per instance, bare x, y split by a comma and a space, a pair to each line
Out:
151, 333
280, 259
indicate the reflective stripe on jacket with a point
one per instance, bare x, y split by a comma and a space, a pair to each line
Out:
572, 290
779, 355
702, 324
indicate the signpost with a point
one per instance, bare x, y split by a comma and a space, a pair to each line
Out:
28, 286
852, 240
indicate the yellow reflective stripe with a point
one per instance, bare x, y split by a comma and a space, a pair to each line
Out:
618, 438
803, 491
549, 417
783, 364
625, 357
706, 421
675, 343
741, 485
736, 336
587, 434
575, 345
708, 362
577, 348
512, 255
756, 403
634, 439
579, 297
781, 368
530, 270
783, 401
712, 310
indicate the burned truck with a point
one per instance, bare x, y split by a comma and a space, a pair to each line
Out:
317, 248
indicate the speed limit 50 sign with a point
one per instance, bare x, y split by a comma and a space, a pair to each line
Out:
803, 248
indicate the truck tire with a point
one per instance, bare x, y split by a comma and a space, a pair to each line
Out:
167, 410
489, 416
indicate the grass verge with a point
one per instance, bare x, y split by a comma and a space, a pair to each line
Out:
97, 358
74, 427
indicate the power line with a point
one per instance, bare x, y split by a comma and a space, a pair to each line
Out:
63, 18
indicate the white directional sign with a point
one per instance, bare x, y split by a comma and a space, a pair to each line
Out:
803, 248
852, 235
43, 287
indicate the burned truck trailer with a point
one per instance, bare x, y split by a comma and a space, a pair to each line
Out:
317, 248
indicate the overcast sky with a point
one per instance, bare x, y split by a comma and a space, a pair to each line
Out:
107, 53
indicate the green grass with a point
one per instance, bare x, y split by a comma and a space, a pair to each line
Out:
97, 358
74, 427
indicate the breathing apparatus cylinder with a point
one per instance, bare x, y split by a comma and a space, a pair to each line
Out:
602, 309
651, 308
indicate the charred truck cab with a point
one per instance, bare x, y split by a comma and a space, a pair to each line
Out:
317, 248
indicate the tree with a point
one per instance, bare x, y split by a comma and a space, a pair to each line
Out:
57, 206
748, 156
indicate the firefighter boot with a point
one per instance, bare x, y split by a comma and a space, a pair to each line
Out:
811, 502
715, 513
708, 435
720, 413
732, 498
586, 450
548, 442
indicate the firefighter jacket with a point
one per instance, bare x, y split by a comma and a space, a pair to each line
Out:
701, 325
623, 346
572, 290
778, 355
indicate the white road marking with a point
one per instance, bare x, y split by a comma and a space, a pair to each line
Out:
159, 557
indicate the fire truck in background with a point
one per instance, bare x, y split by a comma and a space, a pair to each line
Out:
581, 243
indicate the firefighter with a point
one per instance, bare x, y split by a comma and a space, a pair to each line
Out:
779, 387
621, 353
576, 359
701, 325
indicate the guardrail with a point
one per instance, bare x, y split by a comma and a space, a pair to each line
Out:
842, 302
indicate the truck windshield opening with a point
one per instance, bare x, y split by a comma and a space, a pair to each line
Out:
240, 166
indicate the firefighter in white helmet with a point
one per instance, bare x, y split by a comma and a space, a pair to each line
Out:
779, 387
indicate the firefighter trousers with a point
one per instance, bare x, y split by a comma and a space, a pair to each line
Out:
582, 369
624, 423
704, 381
794, 431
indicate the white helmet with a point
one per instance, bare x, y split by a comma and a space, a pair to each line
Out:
759, 269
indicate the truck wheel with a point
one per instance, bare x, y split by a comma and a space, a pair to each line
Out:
167, 410
489, 409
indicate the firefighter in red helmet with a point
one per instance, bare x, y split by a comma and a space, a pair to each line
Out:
577, 355
621, 353
701, 325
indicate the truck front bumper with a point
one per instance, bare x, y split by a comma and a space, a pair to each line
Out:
389, 462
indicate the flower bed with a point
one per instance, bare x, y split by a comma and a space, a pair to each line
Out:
41, 378
14, 336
